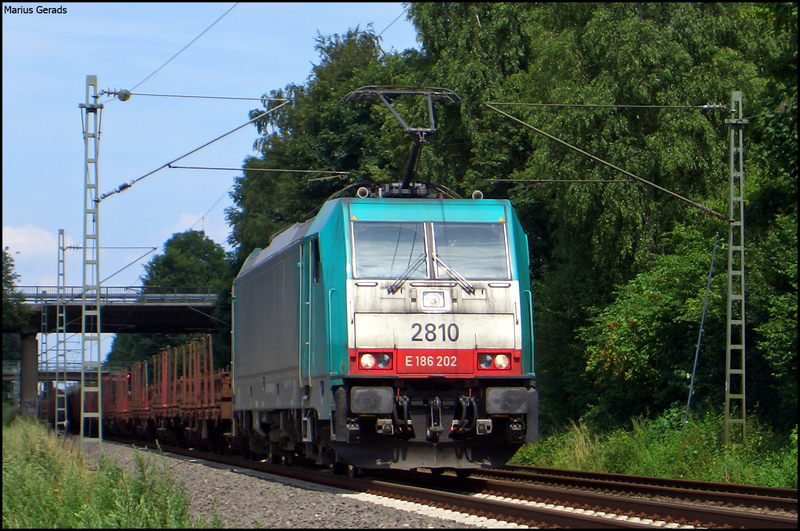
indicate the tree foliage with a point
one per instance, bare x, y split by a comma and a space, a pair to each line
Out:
619, 269
190, 259
594, 245
638, 346
15, 315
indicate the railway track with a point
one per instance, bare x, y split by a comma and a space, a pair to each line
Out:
723, 494
608, 500
518, 501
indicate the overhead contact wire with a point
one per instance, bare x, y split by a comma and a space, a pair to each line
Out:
127, 185
704, 208
395, 20
184, 48
210, 209
709, 106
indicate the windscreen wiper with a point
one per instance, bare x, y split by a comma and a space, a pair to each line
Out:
463, 282
407, 273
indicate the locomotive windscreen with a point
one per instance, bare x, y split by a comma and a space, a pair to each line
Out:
477, 251
386, 250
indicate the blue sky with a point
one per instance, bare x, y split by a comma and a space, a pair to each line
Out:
255, 48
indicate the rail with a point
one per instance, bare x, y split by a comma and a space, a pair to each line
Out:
120, 294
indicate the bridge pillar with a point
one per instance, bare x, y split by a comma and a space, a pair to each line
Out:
29, 375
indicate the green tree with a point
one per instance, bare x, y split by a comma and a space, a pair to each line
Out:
15, 315
772, 315
771, 222
639, 348
190, 260
590, 241
629, 79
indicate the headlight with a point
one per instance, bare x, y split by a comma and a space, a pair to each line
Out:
501, 361
489, 361
384, 360
367, 361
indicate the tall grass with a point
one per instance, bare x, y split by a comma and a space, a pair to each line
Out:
47, 484
667, 447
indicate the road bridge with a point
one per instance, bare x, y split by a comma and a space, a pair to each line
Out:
129, 309
126, 309
48, 371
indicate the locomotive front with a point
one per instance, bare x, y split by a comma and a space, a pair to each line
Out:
438, 312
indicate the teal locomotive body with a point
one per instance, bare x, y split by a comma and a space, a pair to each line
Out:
387, 333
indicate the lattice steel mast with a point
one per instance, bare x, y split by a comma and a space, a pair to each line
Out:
90, 296
735, 342
61, 341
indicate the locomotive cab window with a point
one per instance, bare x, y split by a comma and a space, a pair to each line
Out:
388, 249
427, 250
477, 251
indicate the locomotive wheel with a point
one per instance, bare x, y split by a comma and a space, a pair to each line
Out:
354, 472
463, 473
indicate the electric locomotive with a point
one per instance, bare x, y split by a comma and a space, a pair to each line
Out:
392, 330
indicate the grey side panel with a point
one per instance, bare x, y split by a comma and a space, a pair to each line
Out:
267, 333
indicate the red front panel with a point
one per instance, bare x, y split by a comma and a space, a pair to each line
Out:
435, 361
432, 362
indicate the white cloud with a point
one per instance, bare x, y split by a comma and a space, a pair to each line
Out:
30, 241
35, 253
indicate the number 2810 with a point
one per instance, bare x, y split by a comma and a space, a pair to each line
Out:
430, 332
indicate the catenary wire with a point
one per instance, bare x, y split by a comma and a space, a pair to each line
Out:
127, 185
130, 264
202, 97
395, 20
210, 209
713, 106
704, 208
184, 48
275, 170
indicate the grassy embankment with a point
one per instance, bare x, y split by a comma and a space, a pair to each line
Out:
47, 484
666, 447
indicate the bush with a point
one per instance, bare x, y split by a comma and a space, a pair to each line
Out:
668, 447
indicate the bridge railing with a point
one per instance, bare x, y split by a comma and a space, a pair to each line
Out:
14, 367
121, 294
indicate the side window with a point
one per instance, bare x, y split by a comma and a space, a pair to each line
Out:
316, 259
